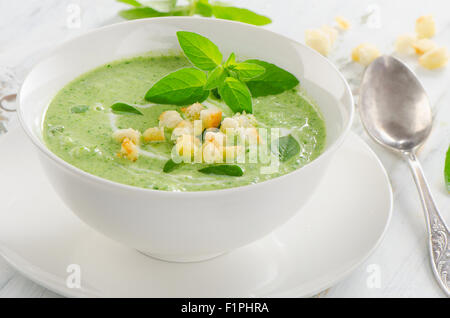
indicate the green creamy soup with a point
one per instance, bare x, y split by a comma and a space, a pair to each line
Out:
79, 124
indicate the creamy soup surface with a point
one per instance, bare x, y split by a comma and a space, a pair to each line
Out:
84, 139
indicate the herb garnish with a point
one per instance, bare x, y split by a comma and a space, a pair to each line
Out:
234, 82
170, 165
225, 170
286, 147
124, 109
201, 7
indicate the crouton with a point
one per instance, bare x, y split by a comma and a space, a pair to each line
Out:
193, 112
169, 119
318, 40
365, 53
435, 58
129, 149
425, 27
229, 123
331, 32
184, 127
422, 46
154, 134
211, 117
404, 43
130, 133
212, 153
342, 23
186, 146
216, 137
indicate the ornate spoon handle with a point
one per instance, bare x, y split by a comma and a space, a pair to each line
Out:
438, 233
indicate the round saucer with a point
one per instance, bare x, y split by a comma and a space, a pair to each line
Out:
337, 230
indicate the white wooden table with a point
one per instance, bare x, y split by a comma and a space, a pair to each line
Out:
400, 266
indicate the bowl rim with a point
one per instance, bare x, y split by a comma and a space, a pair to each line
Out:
106, 182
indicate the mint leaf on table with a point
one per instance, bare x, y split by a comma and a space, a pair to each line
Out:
133, 3
124, 109
447, 170
79, 109
247, 71
181, 87
236, 95
170, 165
215, 78
239, 14
203, 53
225, 170
286, 147
275, 80
141, 13
203, 8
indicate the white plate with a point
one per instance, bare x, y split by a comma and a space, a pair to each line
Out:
338, 229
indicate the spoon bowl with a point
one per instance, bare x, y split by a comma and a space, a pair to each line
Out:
394, 107
396, 112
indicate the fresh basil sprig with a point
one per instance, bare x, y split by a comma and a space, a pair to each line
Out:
234, 82
152, 9
124, 109
286, 147
224, 170
182, 87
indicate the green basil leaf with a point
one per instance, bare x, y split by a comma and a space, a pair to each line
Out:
170, 165
203, 8
248, 71
224, 170
231, 60
274, 81
240, 14
133, 3
199, 50
79, 109
236, 95
215, 78
124, 109
141, 13
447, 170
286, 147
181, 87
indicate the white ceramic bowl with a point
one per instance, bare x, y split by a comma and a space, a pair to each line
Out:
184, 226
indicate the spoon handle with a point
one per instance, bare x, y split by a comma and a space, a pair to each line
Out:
438, 233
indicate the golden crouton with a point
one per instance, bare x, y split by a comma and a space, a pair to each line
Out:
425, 27
318, 40
422, 46
229, 123
184, 127
130, 133
212, 153
331, 32
154, 134
169, 119
342, 23
404, 43
128, 150
215, 137
365, 53
186, 146
193, 112
435, 58
211, 117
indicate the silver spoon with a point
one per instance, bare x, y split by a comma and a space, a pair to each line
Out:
396, 112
